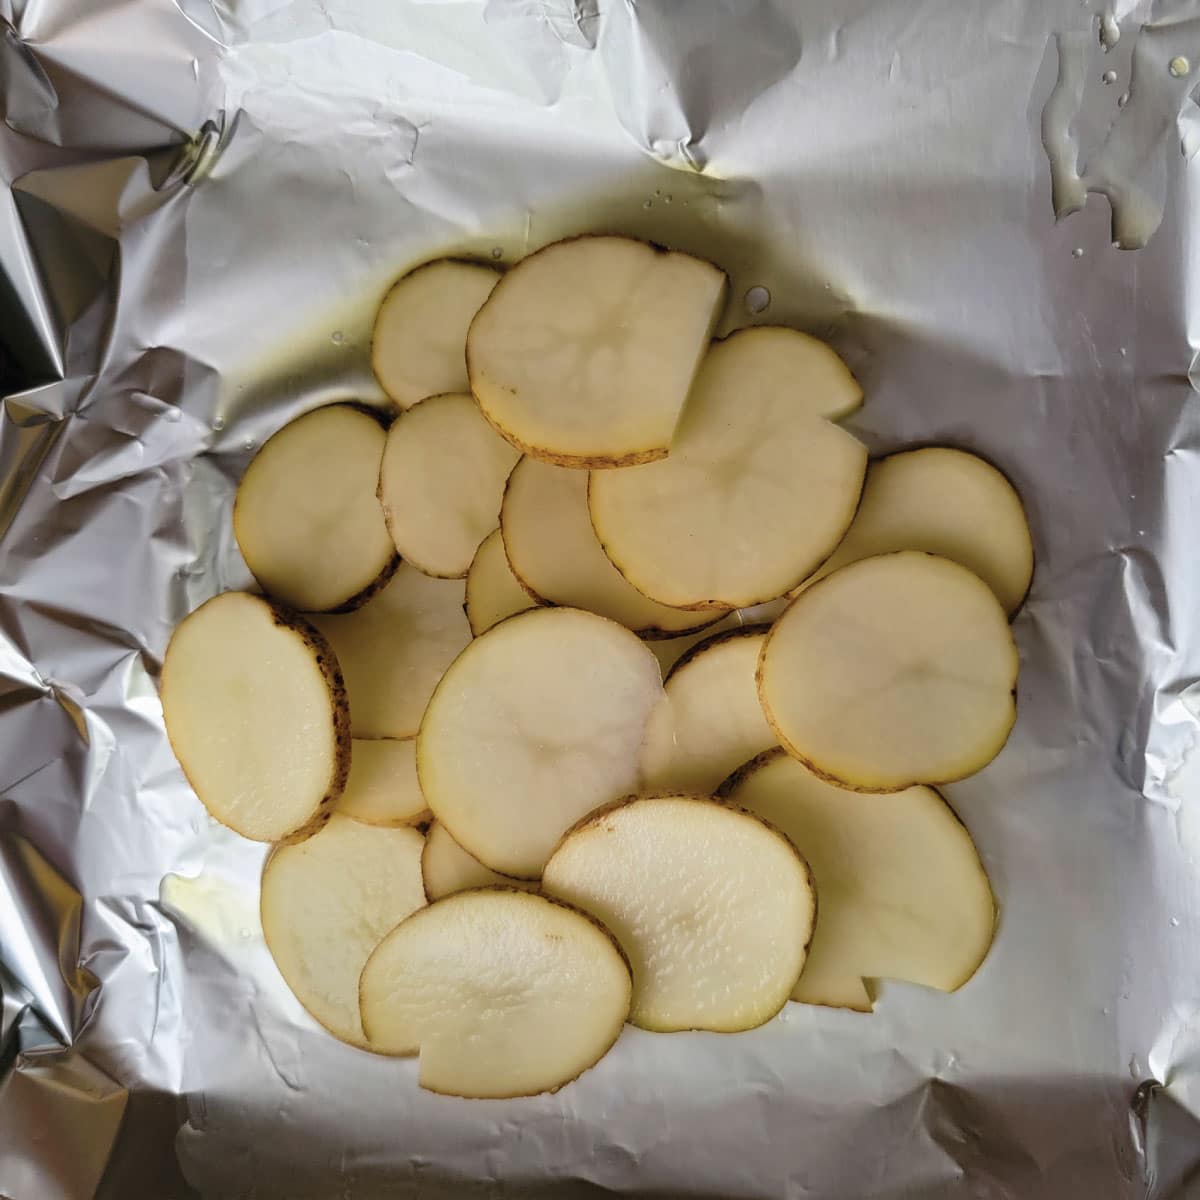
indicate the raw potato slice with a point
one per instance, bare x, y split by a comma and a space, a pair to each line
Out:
553, 551
327, 903
493, 591
669, 651
945, 502
503, 993
417, 349
713, 908
584, 353
383, 788
447, 868
759, 487
441, 483
394, 649
536, 723
903, 893
306, 517
709, 720
256, 713
893, 671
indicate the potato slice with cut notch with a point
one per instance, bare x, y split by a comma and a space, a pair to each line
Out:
418, 347
441, 483
382, 788
493, 591
584, 353
709, 720
394, 649
306, 518
256, 714
713, 907
535, 724
945, 502
903, 893
553, 552
327, 903
447, 868
759, 487
502, 993
892, 671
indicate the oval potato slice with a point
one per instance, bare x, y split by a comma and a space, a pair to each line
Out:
382, 788
447, 868
493, 591
502, 993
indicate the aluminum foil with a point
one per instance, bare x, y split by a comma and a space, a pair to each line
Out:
205, 201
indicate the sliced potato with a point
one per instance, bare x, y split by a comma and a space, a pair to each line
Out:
257, 716
713, 908
759, 487
394, 649
945, 502
326, 904
382, 788
892, 671
584, 353
493, 591
903, 893
306, 518
503, 993
669, 651
441, 483
417, 349
709, 720
447, 868
554, 553
536, 723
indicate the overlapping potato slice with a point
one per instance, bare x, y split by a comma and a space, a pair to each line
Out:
382, 788
493, 591
447, 868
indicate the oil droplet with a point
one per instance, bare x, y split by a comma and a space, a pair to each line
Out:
1108, 77
248, 445
757, 299
497, 252
647, 203
1077, 252
658, 191
1109, 32
195, 68
337, 337
1179, 66
1174, 922
218, 423
172, 415
1122, 99
1123, 352
667, 199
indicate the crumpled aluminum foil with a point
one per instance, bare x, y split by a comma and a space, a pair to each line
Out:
205, 201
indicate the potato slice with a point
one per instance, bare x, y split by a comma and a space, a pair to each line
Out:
326, 904
535, 724
257, 716
585, 351
713, 908
945, 502
306, 517
709, 720
493, 591
669, 651
417, 349
553, 552
394, 649
447, 868
382, 788
895, 670
760, 486
441, 483
503, 993
903, 893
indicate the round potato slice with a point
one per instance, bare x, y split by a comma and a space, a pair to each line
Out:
713, 908
503, 993
394, 649
306, 517
493, 591
584, 352
903, 893
709, 720
257, 716
895, 670
759, 487
447, 868
382, 788
441, 483
535, 724
553, 551
418, 348
945, 502
327, 903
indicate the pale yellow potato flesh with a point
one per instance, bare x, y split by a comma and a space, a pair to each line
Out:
502, 993
895, 670
441, 482
669, 651
713, 908
493, 591
382, 788
447, 868
759, 486
327, 903
306, 518
903, 893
